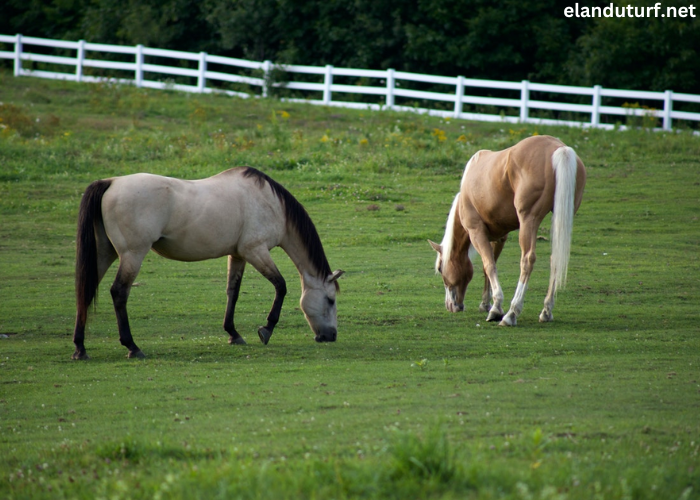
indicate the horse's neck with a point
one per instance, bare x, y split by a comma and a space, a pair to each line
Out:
460, 237
296, 250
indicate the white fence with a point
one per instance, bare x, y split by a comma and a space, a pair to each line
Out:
518, 108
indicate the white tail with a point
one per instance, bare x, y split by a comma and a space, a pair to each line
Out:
564, 165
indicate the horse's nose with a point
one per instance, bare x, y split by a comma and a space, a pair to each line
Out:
327, 335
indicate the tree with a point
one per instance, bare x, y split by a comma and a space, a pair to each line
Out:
641, 53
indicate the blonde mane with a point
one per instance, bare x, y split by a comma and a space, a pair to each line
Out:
447, 244
448, 238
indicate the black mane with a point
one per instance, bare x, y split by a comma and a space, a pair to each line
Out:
297, 218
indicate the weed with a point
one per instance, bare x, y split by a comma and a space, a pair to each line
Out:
422, 364
429, 458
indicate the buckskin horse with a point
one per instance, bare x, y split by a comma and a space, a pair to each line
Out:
240, 213
502, 191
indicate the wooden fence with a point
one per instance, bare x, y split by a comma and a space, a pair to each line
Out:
460, 98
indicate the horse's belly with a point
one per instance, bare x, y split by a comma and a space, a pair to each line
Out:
193, 246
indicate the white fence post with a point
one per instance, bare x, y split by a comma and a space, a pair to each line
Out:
202, 78
79, 63
524, 100
139, 65
267, 78
595, 112
18, 55
327, 82
668, 107
459, 94
390, 84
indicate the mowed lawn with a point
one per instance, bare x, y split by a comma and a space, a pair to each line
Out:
411, 401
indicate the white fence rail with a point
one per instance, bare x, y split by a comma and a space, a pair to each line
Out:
519, 109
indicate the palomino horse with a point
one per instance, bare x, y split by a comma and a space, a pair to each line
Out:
502, 191
241, 213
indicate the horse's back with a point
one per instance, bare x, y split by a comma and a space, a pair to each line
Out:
190, 219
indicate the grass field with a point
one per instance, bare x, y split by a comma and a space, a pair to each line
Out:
412, 401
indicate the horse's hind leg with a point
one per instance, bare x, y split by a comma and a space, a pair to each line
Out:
497, 247
236, 266
260, 259
129, 266
546, 314
528, 239
106, 255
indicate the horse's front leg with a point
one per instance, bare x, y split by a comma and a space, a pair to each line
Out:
497, 247
129, 266
236, 266
262, 261
483, 246
527, 239
265, 332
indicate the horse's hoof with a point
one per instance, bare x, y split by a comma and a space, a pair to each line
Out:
509, 320
238, 340
136, 354
495, 316
264, 335
82, 356
546, 317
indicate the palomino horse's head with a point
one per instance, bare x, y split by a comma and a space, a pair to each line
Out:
318, 304
456, 270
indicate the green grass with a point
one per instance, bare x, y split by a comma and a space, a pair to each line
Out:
411, 402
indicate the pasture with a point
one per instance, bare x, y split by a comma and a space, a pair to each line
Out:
411, 401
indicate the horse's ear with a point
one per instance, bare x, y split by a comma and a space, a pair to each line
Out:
436, 247
336, 274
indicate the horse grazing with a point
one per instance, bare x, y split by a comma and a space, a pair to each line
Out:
241, 213
500, 192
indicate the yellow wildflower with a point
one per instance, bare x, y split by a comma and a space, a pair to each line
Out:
439, 134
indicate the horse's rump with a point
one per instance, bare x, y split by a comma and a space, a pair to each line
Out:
499, 184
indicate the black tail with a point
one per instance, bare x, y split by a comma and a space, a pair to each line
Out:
86, 275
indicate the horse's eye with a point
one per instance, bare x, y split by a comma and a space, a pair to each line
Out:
331, 302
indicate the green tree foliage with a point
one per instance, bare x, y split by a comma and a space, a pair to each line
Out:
641, 53
172, 24
44, 18
507, 40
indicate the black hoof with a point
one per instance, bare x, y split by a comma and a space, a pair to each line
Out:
80, 355
264, 335
494, 317
238, 340
136, 354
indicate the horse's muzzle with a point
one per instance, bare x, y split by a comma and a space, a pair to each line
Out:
453, 302
328, 335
